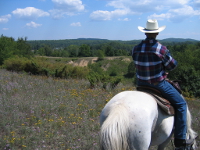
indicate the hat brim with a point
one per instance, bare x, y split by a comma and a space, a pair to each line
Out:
142, 29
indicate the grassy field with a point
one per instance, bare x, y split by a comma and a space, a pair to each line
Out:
41, 113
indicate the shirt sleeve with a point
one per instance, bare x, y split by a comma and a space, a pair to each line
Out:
168, 61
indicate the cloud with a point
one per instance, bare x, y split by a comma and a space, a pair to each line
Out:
177, 15
29, 13
66, 7
4, 19
5, 29
33, 25
160, 17
142, 6
107, 15
170, 9
125, 19
100, 15
75, 24
197, 3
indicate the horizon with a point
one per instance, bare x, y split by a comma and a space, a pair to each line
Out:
115, 40
99, 19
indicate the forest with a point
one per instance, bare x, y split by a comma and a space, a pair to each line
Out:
21, 55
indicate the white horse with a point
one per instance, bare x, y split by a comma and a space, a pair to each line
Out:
131, 120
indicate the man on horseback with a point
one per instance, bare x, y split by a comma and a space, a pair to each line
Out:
152, 60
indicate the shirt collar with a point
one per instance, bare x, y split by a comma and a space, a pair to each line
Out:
149, 41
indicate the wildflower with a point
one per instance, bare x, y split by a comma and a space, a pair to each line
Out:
23, 145
13, 133
13, 140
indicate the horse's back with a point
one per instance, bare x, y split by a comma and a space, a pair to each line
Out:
138, 103
147, 123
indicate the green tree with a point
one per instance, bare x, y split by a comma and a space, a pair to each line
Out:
23, 48
40, 51
85, 50
131, 71
7, 47
48, 50
100, 55
109, 51
73, 50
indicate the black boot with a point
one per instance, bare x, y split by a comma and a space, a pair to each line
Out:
180, 148
182, 144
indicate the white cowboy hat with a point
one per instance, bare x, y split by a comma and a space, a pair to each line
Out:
151, 27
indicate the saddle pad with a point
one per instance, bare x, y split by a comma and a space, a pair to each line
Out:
164, 104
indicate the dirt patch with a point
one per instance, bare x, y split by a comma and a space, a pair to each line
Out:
83, 62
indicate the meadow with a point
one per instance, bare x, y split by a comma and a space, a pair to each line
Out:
45, 113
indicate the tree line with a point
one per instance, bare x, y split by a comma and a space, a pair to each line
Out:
85, 50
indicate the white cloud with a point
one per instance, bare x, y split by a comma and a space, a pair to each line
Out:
33, 24
4, 19
197, 3
75, 24
169, 9
177, 15
160, 17
107, 15
66, 7
125, 19
29, 13
5, 29
100, 15
185, 11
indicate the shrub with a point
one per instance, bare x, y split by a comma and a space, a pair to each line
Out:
190, 80
16, 63
38, 66
103, 80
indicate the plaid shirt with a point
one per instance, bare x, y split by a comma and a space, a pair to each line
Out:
151, 60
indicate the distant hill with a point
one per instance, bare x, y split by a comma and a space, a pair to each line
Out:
96, 42
179, 40
91, 39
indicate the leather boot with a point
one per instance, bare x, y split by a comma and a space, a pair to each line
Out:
182, 144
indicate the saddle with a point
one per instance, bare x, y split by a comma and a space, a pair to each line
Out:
164, 104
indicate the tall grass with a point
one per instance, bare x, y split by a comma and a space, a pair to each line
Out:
43, 113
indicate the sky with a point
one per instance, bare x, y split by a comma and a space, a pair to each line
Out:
103, 19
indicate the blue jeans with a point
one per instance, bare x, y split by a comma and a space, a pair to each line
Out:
179, 103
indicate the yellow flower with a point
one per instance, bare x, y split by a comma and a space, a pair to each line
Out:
23, 145
13, 140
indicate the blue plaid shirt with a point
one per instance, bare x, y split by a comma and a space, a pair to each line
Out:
152, 60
